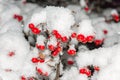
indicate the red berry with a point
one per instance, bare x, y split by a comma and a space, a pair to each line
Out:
58, 49
70, 62
58, 36
41, 47
90, 38
41, 60
51, 47
73, 35
88, 73
86, 8
80, 37
31, 78
39, 70
54, 32
55, 53
64, 39
15, 16
105, 31
31, 26
85, 71
11, 54
35, 60
116, 18
96, 68
20, 18
98, 42
46, 74
82, 71
84, 40
23, 78
35, 30
71, 52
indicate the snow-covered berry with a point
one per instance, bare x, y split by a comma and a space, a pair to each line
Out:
31, 26
35, 30
51, 47
70, 62
81, 37
105, 31
90, 38
11, 54
98, 42
85, 71
18, 17
64, 39
23, 78
96, 68
35, 60
41, 60
73, 35
40, 47
71, 52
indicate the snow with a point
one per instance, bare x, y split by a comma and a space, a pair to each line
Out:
73, 74
18, 43
86, 28
106, 58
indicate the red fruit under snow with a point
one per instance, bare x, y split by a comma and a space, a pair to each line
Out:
46, 74
58, 49
73, 35
84, 41
11, 54
41, 60
96, 68
116, 18
35, 60
71, 52
64, 39
70, 62
18, 17
105, 31
58, 36
86, 8
88, 73
55, 53
23, 78
41, 47
85, 71
98, 42
80, 37
35, 30
54, 32
39, 70
15, 16
82, 71
31, 26
51, 47
90, 38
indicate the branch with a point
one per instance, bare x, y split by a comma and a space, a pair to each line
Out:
57, 72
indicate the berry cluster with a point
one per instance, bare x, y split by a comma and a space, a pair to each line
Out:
18, 17
34, 29
87, 71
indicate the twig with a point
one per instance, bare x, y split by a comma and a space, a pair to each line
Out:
57, 72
